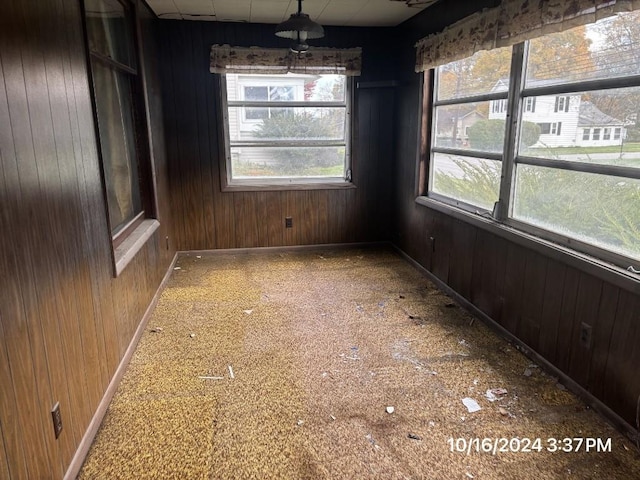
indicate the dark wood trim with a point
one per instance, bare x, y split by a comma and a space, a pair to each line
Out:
288, 248
121, 236
424, 131
378, 84
112, 63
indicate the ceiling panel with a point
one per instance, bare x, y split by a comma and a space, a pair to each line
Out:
325, 12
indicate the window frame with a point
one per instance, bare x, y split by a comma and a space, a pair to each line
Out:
586, 134
286, 183
133, 234
518, 94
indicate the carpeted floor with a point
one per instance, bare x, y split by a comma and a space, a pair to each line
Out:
286, 366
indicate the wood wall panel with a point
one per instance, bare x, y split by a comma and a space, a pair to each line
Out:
551, 316
4, 460
208, 218
601, 340
621, 379
535, 275
538, 297
64, 320
587, 303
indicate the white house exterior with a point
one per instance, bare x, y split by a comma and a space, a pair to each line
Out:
596, 128
243, 121
566, 121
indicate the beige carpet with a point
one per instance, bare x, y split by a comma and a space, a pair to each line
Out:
282, 366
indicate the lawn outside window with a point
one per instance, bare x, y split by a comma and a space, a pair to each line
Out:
286, 130
567, 169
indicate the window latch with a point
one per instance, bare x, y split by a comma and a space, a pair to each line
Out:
347, 175
633, 270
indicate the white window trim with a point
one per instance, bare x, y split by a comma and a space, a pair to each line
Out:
287, 183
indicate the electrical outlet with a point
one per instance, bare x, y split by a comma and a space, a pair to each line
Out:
585, 335
57, 419
288, 222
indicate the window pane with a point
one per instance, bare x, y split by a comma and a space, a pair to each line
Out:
608, 48
117, 141
467, 126
598, 127
256, 93
325, 88
281, 94
596, 209
284, 88
299, 161
295, 123
109, 30
484, 72
470, 180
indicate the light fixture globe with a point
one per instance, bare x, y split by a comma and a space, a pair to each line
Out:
299, 28
298, 47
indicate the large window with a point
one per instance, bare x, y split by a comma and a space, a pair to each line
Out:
119, 110
286, 129
568, 168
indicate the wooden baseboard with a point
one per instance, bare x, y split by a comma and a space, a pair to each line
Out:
289, 248
98, 416
609, 415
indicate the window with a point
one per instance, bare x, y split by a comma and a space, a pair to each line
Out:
528, 173
119, 111
499, 106
530, 105
562, 104
286, 129
454, 160
262, 93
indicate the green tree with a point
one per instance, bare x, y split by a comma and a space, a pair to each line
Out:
488, 135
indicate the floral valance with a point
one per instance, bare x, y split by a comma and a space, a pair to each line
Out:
510, 23
315, 61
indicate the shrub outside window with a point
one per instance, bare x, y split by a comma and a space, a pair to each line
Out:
568, 168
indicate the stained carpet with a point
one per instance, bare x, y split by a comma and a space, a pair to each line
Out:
334, 364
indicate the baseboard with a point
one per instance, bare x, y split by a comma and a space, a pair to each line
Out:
609, 415
98, 416
289, 248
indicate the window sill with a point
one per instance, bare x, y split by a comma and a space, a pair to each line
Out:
127, 250
274, 187
588, 264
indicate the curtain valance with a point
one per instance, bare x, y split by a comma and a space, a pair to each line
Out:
512, 22
315, 61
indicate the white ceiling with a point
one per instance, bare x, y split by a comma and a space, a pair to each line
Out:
326, 12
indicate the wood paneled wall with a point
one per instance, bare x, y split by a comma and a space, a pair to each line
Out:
207, 218
65, 322
539, 298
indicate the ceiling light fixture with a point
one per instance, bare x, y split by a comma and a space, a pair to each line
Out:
299, 28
